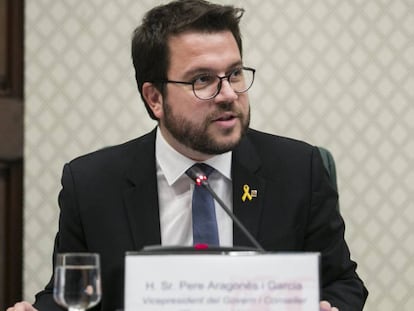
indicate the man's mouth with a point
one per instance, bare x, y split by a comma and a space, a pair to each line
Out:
226, 120
225, 117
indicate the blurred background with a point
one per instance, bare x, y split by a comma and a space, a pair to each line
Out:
335, 73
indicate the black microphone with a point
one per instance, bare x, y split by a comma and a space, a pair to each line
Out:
200, 179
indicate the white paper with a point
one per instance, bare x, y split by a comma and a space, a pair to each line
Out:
261, 282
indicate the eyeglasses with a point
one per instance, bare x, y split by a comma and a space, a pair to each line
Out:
208, 86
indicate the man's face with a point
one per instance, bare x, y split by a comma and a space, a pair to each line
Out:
201, 128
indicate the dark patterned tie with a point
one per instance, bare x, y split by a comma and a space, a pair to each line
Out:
204, 214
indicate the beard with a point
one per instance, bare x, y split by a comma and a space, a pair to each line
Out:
196, 135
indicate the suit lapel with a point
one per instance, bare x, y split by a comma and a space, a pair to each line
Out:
141, 195
249, 186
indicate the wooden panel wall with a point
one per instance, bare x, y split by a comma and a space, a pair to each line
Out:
11, 150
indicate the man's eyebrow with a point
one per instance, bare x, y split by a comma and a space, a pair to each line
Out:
196, 71
200, 70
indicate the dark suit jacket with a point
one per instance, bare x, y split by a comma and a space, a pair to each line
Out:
109, 205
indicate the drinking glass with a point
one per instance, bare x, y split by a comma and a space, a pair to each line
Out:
77, 284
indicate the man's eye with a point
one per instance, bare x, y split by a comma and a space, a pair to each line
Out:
204, 80
237, 72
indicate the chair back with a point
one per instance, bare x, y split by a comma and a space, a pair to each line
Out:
329, 163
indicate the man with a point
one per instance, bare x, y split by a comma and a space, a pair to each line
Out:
190, 73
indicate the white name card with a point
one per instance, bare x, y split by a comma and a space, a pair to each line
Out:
207, 282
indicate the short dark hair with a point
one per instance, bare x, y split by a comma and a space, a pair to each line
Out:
150, 54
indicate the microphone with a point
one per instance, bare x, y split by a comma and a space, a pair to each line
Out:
200, 179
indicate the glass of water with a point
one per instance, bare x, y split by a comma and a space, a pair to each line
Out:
77, 284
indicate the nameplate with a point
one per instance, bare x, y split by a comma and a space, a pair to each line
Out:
214, 282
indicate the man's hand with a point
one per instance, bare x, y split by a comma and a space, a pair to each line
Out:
22, 306
326, 306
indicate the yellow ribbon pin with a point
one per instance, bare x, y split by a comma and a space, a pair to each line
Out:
246, 194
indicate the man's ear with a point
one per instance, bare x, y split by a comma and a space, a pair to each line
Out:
154, 99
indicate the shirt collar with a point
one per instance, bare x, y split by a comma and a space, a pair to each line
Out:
173, 164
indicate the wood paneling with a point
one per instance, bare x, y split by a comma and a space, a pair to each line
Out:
11, 128
11, 51
11, 203
11, 151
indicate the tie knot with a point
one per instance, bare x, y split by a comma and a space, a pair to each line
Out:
207, 169
199, 173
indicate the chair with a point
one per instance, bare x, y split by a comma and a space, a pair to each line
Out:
329, 163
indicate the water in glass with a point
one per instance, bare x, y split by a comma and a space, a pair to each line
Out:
77, 281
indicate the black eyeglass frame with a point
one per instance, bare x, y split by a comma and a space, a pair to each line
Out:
219, 84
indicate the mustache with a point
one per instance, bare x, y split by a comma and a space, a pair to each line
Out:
226, 107
234, 113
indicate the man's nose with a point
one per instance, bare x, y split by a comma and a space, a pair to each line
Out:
226, 92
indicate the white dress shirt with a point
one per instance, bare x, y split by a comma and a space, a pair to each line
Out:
175, 190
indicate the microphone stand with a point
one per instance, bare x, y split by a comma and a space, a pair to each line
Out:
238, 223
200, 179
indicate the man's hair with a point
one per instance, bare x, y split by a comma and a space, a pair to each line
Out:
150, 52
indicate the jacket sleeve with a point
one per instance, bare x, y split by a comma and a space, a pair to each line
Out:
341, 285
70, 229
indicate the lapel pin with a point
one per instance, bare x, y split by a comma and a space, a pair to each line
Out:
253, 193
247, 194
